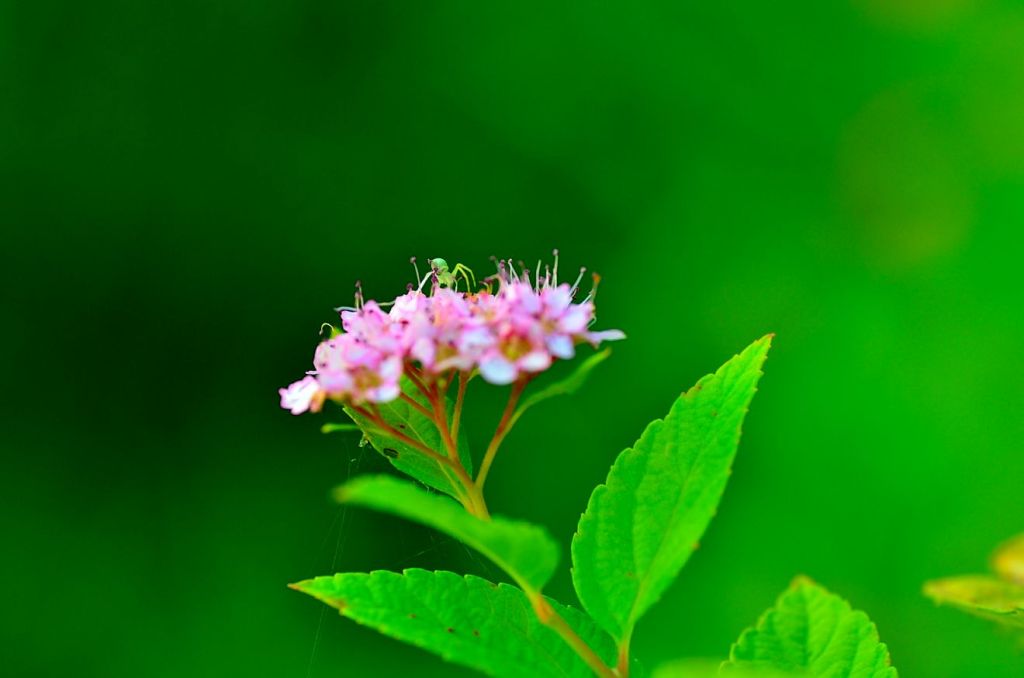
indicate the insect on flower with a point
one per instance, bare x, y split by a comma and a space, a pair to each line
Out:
447, 278
507, 329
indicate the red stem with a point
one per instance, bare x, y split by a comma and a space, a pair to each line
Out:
504, 426
412, 401
459, 398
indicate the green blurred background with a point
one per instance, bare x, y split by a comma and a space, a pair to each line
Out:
188, 189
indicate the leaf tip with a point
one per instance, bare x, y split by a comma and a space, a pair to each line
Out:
301, 586
764, 343
340, 494
932, 589
802, 580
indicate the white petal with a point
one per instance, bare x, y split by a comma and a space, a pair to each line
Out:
298, 396
391, 369
423, 350
561, 346
535, 361
497, 370
383, 394
576, 319
596, 338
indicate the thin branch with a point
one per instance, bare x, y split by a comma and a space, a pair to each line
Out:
549, 617
504, 426
448, 379
441, 420
416, 404
459, 398
622, 668
417, 379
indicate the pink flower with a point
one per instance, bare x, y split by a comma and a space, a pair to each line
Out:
303, 395
349, 368
513, 354
534, 326
446, 335
373, 326
409, 306
518, 329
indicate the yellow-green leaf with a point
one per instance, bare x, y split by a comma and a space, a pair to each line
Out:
1008, 560
981, 595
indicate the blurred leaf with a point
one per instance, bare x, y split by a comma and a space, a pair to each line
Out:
466, 620
526, 552
705, 668
981, 595
339, 428
642, 525
813, 631
1008, 560
410, 421
688, 668
567, 386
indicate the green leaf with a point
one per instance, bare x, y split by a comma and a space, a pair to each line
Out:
466, 620
642, 525
524, 551
704, 668
1008, 560
981, 595
816, 632
411, 422
567, 386
339, 428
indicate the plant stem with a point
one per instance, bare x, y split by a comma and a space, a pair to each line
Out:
549, 617
416, 379
443, 391
622, 668
459, 398
440, 417
504, 426
412, 401
477, 498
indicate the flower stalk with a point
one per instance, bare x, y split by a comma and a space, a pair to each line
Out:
504, 425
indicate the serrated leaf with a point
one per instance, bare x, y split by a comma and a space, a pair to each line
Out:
567, 386
411, 422
981, 595
816, 632
641, 526
466, 620
525, 551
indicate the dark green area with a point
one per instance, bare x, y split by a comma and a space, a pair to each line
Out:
188, 188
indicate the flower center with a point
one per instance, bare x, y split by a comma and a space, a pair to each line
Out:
365, 379
515, 347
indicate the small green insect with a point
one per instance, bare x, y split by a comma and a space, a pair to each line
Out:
450, 278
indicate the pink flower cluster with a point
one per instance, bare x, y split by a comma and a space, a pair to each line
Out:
518, 329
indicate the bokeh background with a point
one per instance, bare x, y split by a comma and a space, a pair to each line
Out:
189, 188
